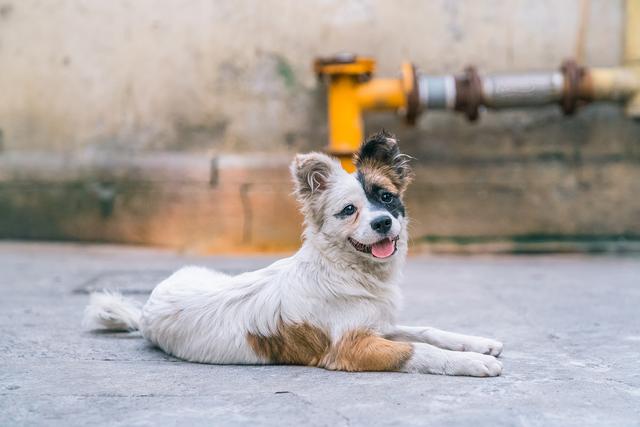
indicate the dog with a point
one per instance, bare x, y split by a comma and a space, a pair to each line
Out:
330, 305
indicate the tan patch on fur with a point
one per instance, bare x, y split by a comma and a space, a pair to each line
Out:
293, 344
383, 176
380, 161
357, 351
361, 350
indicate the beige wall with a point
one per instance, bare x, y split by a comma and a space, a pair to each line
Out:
124, 79
227, 74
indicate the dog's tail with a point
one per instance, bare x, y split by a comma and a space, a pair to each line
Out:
110, 311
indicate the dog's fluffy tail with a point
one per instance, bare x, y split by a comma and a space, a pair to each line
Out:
110, 311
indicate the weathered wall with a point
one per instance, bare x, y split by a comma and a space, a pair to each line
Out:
88, 83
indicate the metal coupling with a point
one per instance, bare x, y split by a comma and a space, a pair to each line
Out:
469, 93
572, 74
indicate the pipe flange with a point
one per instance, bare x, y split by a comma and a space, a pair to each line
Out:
469, 93
412, 93
573, 75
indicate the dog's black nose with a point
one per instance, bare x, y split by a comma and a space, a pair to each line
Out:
382, 224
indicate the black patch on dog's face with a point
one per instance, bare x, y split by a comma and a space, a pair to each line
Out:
375, 193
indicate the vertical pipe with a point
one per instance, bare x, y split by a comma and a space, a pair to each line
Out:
632, 50
345, 120
632, 33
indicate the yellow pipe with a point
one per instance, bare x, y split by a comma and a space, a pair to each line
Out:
352, 91
348, 98
345, 119
381, 94
632, 33
632, 51
610, 84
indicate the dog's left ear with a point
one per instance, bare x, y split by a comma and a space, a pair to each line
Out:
311, 174
380, 153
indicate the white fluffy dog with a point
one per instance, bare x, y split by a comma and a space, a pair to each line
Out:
332, 304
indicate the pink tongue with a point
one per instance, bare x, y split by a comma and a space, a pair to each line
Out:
383, 249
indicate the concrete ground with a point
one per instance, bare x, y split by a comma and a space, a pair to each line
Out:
570, 324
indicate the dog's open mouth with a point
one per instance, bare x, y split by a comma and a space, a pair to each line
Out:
382, 249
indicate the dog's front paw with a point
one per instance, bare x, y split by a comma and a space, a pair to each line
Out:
484, 346
473, 365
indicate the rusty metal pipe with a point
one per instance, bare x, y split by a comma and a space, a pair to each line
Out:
497, 91
470, 91
521, 90
571, 86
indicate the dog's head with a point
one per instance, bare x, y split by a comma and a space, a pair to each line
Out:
359, 215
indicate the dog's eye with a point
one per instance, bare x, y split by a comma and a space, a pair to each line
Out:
348, 210
386, 197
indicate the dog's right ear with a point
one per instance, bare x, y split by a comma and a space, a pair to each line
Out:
311, 174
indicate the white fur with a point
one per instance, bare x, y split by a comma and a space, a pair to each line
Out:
205, 316
446, 340
110, 311
428, 359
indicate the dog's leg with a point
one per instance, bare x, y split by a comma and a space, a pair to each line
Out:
445, 340
433, 360
364, 351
